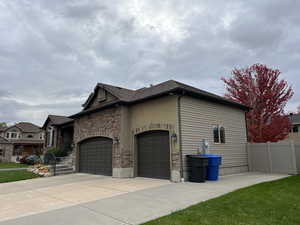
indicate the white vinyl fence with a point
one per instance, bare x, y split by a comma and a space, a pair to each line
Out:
280, 157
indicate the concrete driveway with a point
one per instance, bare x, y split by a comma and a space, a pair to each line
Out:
81, 199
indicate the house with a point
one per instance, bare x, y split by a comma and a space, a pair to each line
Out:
148, 132
19, 140
6, 150
59, 133
2, 129
295, 130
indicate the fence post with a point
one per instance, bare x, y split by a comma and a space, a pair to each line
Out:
293, 158
269, 157
249, 153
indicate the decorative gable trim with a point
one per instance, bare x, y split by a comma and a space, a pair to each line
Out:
99, 94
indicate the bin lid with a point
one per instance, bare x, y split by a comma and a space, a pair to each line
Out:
198, 156
211, 156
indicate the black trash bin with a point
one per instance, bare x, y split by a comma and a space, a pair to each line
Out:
197, 168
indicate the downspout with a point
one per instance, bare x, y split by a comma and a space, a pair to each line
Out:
180, 136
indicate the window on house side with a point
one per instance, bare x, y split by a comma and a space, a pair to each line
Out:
295, 129
29, 136
222, 135
216, 135
2, 152
219, 134
50, 137
13, 135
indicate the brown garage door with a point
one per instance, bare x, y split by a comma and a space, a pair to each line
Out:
95, 156
154, 154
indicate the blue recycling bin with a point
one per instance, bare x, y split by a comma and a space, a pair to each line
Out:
214, 162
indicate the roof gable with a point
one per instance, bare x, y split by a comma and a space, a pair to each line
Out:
104, 93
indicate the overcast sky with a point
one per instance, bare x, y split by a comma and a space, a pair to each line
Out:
53, 52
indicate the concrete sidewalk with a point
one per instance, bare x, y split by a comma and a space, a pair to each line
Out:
140, 205
13, 169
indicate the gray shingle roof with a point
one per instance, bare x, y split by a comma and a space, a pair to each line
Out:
128, 95
132, 96
28, 127
295, 119
58, 120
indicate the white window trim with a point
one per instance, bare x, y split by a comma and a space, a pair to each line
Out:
10, 135
219, 132
51, 131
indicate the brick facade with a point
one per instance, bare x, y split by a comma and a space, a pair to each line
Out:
117, 124
106, 123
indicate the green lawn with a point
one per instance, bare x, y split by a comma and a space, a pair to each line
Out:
12, 165
10, 176
271, 203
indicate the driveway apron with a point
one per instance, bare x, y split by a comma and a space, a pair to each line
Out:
80, 199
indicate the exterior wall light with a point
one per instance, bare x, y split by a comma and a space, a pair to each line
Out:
174, 137
116, 140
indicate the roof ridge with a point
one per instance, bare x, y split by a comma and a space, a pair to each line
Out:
58, 115
114, 86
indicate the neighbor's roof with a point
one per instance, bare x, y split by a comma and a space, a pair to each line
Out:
57, 120
133, 96
2, 128
28, 127
295, 119
25, 127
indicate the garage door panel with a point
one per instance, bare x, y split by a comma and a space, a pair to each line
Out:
96, 156
154, 155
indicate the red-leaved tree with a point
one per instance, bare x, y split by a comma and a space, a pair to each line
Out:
260, 88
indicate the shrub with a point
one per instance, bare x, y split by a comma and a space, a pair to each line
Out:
57, 152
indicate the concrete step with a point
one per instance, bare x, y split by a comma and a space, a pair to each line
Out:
59, 166
64, 169
59, 173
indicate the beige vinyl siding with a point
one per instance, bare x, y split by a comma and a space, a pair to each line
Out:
198, 118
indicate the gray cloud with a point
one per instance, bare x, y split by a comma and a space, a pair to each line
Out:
54, 52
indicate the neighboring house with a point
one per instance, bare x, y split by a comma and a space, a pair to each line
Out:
6, 150
295, 130
148, 132
59, 133
2, 129
21, 139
